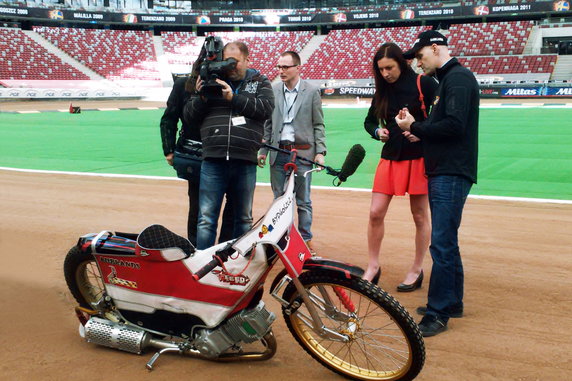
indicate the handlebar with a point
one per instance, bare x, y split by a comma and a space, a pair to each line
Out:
329, 170
219, 259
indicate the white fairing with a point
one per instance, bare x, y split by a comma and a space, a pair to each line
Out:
250, 268
211, 314
173, 254
275, 223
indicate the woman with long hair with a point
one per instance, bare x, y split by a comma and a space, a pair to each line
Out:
401, 168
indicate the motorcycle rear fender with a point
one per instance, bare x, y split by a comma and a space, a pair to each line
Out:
343, 269
116, 244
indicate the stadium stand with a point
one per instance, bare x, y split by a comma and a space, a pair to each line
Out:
265, 47
496, 49
181, 48
347, 54
494, 38
532, 64
115, 54
24, 59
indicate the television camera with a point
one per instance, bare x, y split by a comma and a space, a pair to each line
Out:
213, 67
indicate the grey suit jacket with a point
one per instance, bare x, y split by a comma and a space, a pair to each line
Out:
308, 121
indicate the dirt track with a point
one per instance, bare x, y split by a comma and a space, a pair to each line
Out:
517, 256
517, 261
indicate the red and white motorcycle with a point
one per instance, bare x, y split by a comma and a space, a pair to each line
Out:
154, 290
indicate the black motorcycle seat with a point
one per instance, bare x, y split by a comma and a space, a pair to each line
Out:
158, 237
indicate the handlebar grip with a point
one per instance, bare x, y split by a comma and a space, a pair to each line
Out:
215, 262
218, 259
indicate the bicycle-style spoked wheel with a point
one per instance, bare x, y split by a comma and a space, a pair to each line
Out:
372, 337
83, 277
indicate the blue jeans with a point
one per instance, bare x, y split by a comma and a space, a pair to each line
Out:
447, 195
302, 189
236, 179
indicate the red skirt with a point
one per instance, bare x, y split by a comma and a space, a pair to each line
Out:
400, 177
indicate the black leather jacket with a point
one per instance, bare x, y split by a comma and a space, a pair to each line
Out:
450, 134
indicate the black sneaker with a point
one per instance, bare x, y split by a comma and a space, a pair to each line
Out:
431, 325
455, 314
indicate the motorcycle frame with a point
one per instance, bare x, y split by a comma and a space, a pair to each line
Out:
275, 228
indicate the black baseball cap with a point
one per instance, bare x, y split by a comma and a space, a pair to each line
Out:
427, 38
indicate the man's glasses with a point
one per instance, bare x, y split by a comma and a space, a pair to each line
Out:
284, 67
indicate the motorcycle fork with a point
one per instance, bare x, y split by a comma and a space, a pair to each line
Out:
315, 322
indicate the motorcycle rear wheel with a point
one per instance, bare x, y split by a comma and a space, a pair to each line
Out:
83, 277
384, 341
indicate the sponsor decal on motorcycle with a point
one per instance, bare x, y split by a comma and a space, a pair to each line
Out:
265, 230
119, 262
279, 214
113, 279
235, 280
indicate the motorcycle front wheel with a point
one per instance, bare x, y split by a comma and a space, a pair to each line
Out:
83, 277
374, 337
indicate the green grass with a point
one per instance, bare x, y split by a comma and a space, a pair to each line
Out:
522, 152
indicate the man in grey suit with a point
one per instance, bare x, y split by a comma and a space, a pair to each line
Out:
297, 123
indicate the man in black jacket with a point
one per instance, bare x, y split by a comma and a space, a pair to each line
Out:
183, 90
450, 140
231, 128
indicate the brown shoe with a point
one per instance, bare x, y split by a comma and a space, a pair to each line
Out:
309, 244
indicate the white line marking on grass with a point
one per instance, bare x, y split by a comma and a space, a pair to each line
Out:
108, 109
114, 175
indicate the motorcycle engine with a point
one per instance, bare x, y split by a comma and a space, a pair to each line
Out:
247, 326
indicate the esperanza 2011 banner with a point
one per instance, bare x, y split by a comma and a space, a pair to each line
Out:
556, 6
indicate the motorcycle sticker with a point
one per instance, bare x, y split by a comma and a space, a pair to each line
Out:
235, 280
113, 279
120, 262
265, 230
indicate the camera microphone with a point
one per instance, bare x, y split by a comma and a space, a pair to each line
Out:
353, 160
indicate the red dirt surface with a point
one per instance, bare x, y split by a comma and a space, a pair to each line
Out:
517, 261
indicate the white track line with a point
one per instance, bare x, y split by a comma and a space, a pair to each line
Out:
114, 175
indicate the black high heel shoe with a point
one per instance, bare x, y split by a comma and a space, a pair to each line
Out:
375, 279
413, 286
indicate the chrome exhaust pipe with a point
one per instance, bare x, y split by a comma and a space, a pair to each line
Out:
123, 337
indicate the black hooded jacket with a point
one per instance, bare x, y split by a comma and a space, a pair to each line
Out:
224, 139
450, 133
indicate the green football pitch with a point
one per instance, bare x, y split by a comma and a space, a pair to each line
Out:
523, 152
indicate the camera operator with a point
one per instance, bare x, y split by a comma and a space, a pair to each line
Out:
189, 135
232, 128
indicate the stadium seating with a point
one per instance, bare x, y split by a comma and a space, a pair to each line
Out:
21, 58
494, 38
347, 54
265, 47
115, 54
181, 48
498, 65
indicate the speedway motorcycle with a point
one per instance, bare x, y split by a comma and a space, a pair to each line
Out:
154, 290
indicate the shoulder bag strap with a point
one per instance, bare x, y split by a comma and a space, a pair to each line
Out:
423, 108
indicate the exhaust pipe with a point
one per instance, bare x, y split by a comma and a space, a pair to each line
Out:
123, 337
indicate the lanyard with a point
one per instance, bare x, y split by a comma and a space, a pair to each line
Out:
291, 105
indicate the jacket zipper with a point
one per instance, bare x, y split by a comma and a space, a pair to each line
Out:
228, 141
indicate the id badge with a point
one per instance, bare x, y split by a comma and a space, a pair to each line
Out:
238, 121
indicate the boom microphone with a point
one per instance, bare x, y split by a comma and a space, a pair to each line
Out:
353, 160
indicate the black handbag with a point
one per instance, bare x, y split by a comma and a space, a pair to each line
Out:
187, 159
